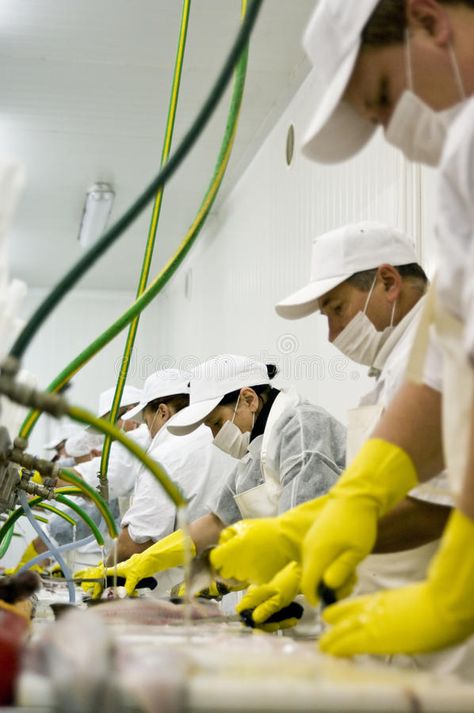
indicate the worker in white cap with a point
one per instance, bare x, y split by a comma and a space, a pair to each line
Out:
81, 452
57, 442
286, 449
367, 283
408, 66
196, 467
121, 462
131, 396
79, 447
120, 475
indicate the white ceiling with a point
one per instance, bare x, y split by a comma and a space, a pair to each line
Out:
84, 93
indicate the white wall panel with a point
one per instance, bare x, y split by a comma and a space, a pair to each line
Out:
257, 248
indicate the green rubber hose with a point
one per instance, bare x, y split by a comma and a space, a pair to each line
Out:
147, 258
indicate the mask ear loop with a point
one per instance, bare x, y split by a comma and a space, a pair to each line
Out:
457, 72
393, 313
235, 410
408, 62
153, 423
370, 294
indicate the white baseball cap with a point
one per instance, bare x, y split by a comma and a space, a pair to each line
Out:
64, 431
210, 382
341, 253
332, 41
131, 395
167, 382
82, 443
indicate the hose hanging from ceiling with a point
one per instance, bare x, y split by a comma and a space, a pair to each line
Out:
150, 243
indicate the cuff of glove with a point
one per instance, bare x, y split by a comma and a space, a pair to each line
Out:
381, 472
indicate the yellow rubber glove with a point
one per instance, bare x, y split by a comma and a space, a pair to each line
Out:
267, 599
56, 571
27, 555
254, 551
93, 589
422, 617
164, 554
37, 478
345, 530
216, 590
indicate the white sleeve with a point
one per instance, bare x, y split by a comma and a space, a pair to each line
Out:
152, 515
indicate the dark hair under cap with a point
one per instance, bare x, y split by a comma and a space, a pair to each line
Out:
261, 390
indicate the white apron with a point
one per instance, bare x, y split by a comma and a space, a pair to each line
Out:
457, 379
262, 500
393, 569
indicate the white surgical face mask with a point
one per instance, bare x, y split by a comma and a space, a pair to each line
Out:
66, 462
360, 340
230, 438
415, 128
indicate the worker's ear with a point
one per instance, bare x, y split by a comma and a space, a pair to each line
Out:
249, 396
165, 412
431, 17
391, 280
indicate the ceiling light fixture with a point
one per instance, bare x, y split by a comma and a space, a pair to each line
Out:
96, 213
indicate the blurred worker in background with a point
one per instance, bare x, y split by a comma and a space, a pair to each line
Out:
78, 448
81, 452
407, 65
287, 451
196, 467
121, 462
119, 476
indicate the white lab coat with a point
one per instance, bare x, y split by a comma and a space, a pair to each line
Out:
121, 474
122, 467
198, 469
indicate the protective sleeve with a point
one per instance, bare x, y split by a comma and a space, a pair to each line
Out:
311, 454
224, 505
